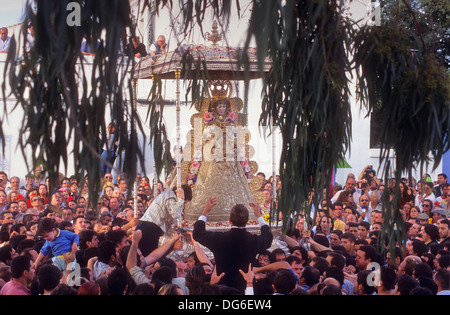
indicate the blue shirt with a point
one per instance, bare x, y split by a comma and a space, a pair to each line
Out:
61, 244
87, 48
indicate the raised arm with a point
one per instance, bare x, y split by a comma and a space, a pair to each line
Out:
201, 256
174, 243
132, 253
272, 267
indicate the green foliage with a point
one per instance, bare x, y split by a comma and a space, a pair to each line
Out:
409, 89
306, 92
427, 20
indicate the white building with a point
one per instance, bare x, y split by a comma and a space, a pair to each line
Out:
360, 155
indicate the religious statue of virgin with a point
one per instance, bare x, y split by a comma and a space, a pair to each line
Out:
216, 158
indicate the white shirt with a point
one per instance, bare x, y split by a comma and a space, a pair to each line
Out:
4, 44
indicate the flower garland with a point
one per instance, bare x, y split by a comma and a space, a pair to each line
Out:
193, 173
247, 169
209, 117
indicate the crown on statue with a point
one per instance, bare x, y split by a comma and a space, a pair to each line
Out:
220, 88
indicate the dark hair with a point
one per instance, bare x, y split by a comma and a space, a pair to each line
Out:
64, 289
322, 240
406, 283
389, 277
432, 231
116, 236
106, 249
49, 277
420, 291
196, 278
419, 247
278, 251
337, 260
337, 232
311, 275
63, 225
5, 253
143, 289
86, 236
292, 258
361, 278
443, 277
320, 263
331, 289
18, 265
239, 215
446, 221
336, 273
428, 283
118, 280
423, 270
350, 236
268, 254
364, 224
167, 262
369, 252
444, 261
284, 281
46, 225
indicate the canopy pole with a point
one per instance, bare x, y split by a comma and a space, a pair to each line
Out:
135, 186
178, 110
178, 150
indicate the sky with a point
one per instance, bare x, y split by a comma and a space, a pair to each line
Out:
11, 11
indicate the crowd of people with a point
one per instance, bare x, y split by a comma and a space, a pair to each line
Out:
56, 243
137, 48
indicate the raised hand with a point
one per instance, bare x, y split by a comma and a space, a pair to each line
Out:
211, 202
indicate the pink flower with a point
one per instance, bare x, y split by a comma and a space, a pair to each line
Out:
208, 116
231, 116
195, 164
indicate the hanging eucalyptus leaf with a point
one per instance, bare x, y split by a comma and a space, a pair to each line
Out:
409, 89
65, 98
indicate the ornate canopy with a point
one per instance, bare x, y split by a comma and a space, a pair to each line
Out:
222, 63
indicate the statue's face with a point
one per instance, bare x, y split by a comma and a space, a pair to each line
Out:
221, 108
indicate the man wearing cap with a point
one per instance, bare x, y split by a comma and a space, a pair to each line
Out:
438, 213
423, 218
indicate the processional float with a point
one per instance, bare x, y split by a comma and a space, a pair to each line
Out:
216, 159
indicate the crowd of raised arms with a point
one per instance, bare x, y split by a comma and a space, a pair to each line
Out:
55, 243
